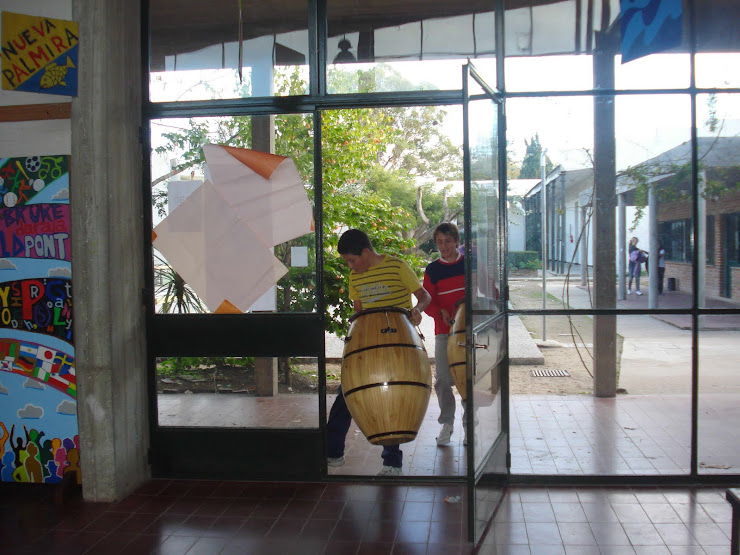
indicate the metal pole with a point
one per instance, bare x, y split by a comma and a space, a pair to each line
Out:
543, 193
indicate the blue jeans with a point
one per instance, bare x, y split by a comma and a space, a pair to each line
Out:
634, 274
336, 433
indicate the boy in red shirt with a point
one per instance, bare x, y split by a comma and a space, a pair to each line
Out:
444, 279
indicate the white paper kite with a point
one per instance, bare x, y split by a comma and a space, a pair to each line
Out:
220, 238
266, 191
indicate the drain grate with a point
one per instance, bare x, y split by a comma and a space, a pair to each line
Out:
550, 374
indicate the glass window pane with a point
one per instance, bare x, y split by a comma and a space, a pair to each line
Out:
719, 393
654, 180
237, 392
558, 423
549, 44
210, 247
403, 47
484, 205
562, 128
488, 334
536, 73
657, 71
719, 175
716, 69
717, 44
195, 52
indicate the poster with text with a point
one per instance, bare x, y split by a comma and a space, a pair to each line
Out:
39, 54
39, 439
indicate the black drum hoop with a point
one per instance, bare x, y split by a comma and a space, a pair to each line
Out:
403, 311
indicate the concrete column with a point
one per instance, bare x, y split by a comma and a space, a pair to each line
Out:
605, 326
583, 245
553, 228
563, 226
106, 204
652, 247
621, 246
701, 236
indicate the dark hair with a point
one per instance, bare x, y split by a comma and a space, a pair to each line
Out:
354, 241
447, 228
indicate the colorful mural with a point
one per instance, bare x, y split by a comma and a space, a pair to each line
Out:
39, 439
39, 54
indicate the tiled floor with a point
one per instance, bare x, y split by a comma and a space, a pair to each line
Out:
626, 435
557, 434
197, 517
611, 520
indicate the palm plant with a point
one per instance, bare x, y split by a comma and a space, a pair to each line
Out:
171, 292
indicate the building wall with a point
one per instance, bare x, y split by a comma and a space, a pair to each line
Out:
728, 203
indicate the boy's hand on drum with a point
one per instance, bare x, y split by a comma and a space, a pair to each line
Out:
446, 318
415, 316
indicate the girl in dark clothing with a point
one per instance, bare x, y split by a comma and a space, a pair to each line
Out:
632, 264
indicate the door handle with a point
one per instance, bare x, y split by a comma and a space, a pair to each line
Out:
479, 345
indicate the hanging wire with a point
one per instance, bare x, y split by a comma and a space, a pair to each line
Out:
241, 42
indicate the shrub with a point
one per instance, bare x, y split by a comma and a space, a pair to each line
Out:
524, 260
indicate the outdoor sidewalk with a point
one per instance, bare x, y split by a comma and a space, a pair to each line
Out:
657, 349
522, 348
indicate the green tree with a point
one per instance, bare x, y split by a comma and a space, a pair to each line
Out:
531, 162
370, 158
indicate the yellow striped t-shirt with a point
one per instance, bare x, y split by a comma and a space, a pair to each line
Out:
390, 283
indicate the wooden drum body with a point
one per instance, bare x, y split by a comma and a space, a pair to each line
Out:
456, 352
386, 376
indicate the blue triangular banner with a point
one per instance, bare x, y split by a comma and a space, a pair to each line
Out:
650, 26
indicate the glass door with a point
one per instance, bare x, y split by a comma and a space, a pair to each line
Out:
487, 440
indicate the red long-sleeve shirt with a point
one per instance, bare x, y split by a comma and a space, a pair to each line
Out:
445, 282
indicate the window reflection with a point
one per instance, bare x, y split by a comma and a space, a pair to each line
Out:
201, 54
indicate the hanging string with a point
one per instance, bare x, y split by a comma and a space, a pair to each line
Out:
241, 42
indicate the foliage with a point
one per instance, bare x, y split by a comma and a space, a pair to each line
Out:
524, 260
173, 366
419, 147
384, 223
175, 295
401, 191
675, 176
531, 163
370, 160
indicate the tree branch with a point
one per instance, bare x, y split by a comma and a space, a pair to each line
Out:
419, 207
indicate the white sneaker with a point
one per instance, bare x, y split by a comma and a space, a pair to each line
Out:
638, 292
629, 292
390, 471
334, 461
444, 435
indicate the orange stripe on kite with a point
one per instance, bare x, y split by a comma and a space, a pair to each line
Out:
227, 308
261, 163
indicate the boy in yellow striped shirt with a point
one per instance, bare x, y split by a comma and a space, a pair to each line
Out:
375, 281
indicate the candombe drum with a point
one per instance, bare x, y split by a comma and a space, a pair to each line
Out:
456, 352
386, 377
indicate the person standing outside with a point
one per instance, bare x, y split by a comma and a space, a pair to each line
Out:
661, 267
375, 281
634, 254
444, 279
